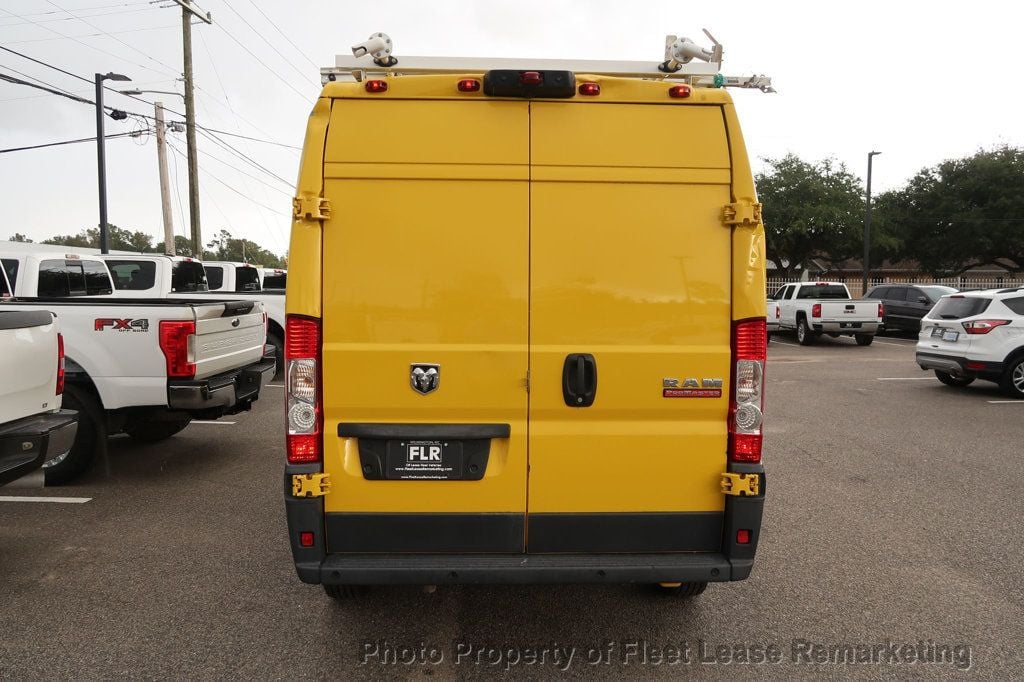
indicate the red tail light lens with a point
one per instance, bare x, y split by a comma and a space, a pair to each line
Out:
174, 336
469, 85
302, 387
743, 536
881, 310
680, 91
816, 310
376, 86
60, 365
746, 405
306, 538
590, 89
778, 312
983, 326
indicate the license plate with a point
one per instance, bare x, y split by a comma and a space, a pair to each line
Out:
937, 331
424, 460
950, 335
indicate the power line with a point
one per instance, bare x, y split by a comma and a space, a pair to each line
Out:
248, 159
254, 56
92, 35
276, 28
252, 139
269, 44
63, 142
88, 23
18, 81
89, 16
244, 196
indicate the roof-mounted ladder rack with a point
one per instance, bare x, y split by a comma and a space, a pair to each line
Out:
684, 61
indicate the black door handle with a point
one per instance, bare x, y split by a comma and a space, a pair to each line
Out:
579, 380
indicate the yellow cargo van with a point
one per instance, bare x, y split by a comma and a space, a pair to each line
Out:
525, 329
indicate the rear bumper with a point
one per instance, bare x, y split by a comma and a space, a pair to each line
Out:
840, 327
958, 366
27, 444
439, 569
225, 393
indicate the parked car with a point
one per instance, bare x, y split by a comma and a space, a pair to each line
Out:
815, 308
906, 304
156, 276
976, 335
427, 356
146, 366
55, 275
273, 278
34, 430
773, 315
231, 277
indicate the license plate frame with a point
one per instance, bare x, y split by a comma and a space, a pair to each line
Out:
424, 460
950, 335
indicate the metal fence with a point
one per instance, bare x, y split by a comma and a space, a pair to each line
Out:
856, 290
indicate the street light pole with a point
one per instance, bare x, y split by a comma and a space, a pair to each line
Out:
101, 155
867, 227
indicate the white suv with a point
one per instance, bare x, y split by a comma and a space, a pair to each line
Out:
976, 335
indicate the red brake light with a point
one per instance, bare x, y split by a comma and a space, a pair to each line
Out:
60, 365
881, 310
376, 86
778, 312
590, 89
469, 85
743, 536
531, 78
746, 403
816, 310
983, 326
306, 538
174, 335
680, 91
304, 403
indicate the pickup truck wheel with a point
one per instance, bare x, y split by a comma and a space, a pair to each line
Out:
804, 335
344, 592
683, 590
91, 432
1012, 382
950, 380
155, 431
864, 339
275, 341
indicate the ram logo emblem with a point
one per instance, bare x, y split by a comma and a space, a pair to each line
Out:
425, 378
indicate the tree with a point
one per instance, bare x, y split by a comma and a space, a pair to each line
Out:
810, 210
118, 239
963, 213
225, 247
19, 237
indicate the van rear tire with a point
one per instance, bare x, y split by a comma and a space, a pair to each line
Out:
683, 590
345, 592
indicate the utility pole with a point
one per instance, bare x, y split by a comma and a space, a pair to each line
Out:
867, 227
101, 153
165, 190
187, 12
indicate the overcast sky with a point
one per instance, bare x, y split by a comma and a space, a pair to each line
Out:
918, 81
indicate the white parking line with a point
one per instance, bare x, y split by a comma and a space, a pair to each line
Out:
906, 378
908, 344
59, 500
276, 385
217, 422
784, 343
1006, 402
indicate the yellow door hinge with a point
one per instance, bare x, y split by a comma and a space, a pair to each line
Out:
311, 208
310, 485
742, 214
744, 485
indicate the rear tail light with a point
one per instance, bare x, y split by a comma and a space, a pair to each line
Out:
881, 310
469, 85
778, 312
307, 538
983, 326
302, 387
60, 365
746, 406
816, 310
174, 336
743, 536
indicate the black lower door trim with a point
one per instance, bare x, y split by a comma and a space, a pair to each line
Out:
625, 532
423, 532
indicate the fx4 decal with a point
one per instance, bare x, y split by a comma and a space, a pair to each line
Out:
127, 325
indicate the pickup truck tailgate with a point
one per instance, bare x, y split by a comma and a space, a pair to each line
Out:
846, 311
228, 335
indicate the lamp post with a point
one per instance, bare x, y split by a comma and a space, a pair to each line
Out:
867, 227
101, 153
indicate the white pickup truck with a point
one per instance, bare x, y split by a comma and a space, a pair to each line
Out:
155, 276
34, 429
55, 275
815, 308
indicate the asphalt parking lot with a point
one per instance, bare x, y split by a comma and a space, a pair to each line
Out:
892, 518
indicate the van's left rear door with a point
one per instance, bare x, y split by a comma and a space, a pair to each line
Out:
425, 325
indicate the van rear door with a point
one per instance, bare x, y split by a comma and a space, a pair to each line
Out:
630, 322
425, 325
